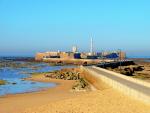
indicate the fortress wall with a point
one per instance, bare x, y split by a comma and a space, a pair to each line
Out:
116, 85
39, 56
72, 61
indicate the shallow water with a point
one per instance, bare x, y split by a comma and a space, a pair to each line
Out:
14, 78
147, 60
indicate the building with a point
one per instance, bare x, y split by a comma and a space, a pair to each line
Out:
40, 56
113, 55
70, 55
122, 55
85, 55
75, 55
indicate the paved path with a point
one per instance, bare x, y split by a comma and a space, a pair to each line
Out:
143, 89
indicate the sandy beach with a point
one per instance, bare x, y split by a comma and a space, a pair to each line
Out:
61, 99
107, 101
17, 102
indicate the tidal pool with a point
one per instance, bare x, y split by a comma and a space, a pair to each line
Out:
14, 78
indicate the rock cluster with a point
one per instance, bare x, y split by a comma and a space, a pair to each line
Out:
69, 74
80, 84
66, 75
129, 70
15, 64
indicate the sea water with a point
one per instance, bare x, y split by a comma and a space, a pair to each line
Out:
16, 84
148, 60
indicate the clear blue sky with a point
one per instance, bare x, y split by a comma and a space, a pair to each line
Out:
29, 26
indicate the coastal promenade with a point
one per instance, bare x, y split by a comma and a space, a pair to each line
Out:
134, 88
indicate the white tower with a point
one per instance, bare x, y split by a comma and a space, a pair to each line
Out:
74, 49
91, 48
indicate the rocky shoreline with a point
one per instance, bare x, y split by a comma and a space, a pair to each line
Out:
140, 70
60, 99
68, 74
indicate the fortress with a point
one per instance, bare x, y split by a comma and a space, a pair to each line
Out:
75, 57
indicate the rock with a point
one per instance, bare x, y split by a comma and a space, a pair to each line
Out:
74, 77
138, 68
70, 73
58, 76
62, 77
80, 84
48, 75
68, 78
14, 83
127, 71
66, 74
78, 75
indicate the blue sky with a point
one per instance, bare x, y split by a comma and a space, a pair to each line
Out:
29, 26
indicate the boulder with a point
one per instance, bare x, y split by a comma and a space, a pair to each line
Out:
138, 68
127, 71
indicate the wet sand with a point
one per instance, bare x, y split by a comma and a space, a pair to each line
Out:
61, 100
18, 102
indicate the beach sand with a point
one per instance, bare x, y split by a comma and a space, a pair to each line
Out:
107, 101
15, 103
61, 100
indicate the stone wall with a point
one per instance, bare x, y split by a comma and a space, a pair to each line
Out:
39, 56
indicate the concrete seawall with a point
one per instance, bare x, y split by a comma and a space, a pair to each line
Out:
97, 82
133, 88
125, 77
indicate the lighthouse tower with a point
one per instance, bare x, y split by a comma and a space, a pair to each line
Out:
91, 47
